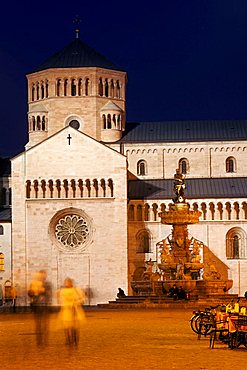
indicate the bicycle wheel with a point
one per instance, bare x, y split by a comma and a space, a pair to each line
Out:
192, 323
204, 323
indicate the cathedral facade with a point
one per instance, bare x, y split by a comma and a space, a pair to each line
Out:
87, 191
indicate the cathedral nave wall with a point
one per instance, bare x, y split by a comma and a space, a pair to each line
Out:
203, 159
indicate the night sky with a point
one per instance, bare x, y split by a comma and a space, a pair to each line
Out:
186, 60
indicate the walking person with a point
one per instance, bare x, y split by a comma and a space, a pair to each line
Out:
14, 297
40, 293
71, 314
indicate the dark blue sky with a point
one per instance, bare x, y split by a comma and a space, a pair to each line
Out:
185, 60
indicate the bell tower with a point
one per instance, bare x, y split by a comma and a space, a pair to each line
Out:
77, 86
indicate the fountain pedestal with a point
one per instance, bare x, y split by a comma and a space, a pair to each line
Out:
179, 260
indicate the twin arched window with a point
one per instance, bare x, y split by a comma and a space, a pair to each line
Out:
230, 164
141, 168
236, 246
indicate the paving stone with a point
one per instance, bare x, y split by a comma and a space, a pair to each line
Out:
116, 339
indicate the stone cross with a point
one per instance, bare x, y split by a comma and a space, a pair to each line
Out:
69, 138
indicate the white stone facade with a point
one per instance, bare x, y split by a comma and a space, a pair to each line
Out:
68, 176
101, 266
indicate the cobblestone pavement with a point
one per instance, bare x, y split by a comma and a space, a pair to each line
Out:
114, 340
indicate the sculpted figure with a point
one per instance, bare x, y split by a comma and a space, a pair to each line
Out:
165, 256
196, 258
179, 186
211, 273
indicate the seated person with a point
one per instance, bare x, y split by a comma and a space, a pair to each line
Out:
173, 292
121, 293
181, 293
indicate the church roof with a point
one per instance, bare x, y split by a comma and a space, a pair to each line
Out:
230, 187
5, 214
75, 55
183, 131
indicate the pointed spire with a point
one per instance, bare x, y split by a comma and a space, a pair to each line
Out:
77, 21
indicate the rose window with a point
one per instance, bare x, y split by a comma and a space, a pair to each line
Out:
72, 231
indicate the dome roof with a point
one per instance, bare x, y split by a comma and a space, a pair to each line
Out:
75, 55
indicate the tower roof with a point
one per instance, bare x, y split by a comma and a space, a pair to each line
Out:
75, 55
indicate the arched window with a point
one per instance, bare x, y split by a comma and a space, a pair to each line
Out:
139, 212
106, 88
79, 87
87, 86
34, 123
1, 230
37, 91
112, 89
100, 87
236, 246
108, 121
1, 262
183, 166
46, 89
65, 87
131, 213
141, 168
117, 89
38, 123
58, 87
155, 211
42, 91
73, 87
43, 123
143, 242
110, 184
28, 188
230, 165
104, 121
33, 93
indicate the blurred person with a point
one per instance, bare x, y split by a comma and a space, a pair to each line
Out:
71, 314
40, 293
13, 297
1, 295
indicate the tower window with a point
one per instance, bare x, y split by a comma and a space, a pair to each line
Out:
73, 88
87, 86
100, 87
1, 230
58, 87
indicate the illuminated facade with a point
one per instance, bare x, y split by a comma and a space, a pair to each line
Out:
87, 190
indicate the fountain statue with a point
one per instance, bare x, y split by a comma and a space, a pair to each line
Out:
179, 256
